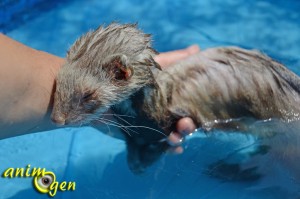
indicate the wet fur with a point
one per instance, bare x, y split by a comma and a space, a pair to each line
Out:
217, 88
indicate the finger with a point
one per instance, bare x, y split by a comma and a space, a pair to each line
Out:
168, 58
193, 49
185, 126
175, 139
175, 150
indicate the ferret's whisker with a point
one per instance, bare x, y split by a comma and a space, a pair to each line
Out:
127, 123
88, 114
109, 130
146, 127
123, 120
123, 127
114, 114
112, 124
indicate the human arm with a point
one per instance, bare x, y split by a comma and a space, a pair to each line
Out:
26, 86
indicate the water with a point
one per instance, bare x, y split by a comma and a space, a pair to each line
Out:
210, 164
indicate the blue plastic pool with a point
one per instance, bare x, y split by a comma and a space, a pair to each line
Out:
97, 163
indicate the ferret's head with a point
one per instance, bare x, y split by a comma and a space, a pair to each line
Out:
103, 68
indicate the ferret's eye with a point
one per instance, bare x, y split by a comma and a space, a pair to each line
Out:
90, 105
87, 96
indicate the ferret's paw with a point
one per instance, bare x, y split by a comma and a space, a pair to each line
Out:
140, 157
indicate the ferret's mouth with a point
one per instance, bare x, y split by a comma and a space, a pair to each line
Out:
68, 121
58, 120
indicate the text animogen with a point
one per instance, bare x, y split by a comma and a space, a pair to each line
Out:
43, 181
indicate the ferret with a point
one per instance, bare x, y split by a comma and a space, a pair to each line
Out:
219, 88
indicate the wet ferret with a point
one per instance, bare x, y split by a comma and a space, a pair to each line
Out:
113, 67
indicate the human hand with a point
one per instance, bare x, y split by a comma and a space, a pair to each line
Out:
185, 126
166, 59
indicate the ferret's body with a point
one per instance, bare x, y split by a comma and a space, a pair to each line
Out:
219, 84
220, 88
217, 88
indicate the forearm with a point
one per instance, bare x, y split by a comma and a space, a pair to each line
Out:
26, 86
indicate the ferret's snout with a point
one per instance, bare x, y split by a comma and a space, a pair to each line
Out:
58, 120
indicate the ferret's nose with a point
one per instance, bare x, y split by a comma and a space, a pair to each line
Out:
58, 120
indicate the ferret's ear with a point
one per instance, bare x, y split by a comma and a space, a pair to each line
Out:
118, 67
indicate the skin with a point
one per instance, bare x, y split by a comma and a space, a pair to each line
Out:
26, 104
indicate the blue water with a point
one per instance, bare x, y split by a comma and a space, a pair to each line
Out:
97, 163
